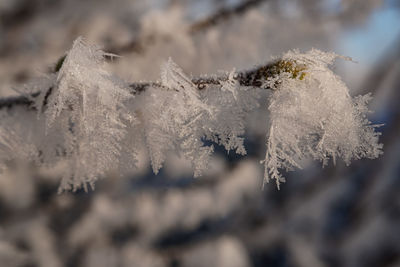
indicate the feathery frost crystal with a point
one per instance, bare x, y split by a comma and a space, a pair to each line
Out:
177, 117
90, 121
87, 110
313, 116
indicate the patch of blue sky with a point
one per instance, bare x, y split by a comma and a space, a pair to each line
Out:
367, 44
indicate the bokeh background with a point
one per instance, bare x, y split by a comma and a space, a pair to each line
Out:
333, 216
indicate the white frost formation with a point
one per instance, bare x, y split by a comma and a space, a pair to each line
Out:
179, 117
313, 116
91, 122
86, 112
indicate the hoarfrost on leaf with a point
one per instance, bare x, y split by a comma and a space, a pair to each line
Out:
313, 116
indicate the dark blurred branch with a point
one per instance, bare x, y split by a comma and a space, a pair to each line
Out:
224, 14
10, 102
139, 44
19, 14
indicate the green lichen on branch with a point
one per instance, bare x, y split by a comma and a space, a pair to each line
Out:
258, 76
296, 70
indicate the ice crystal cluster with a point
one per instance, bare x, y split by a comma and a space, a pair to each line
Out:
179, 117
313, 116
90, 121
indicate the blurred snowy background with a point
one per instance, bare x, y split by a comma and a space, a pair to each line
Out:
336, 216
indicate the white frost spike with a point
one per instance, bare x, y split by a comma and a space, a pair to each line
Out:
87, 106
232, 103
173, 77
231, 85
16, 140
315, 117
178, 120
173, 119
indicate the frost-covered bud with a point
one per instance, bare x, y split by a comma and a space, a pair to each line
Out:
201, 85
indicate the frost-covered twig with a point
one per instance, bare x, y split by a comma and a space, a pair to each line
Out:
92, 121
254, 77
